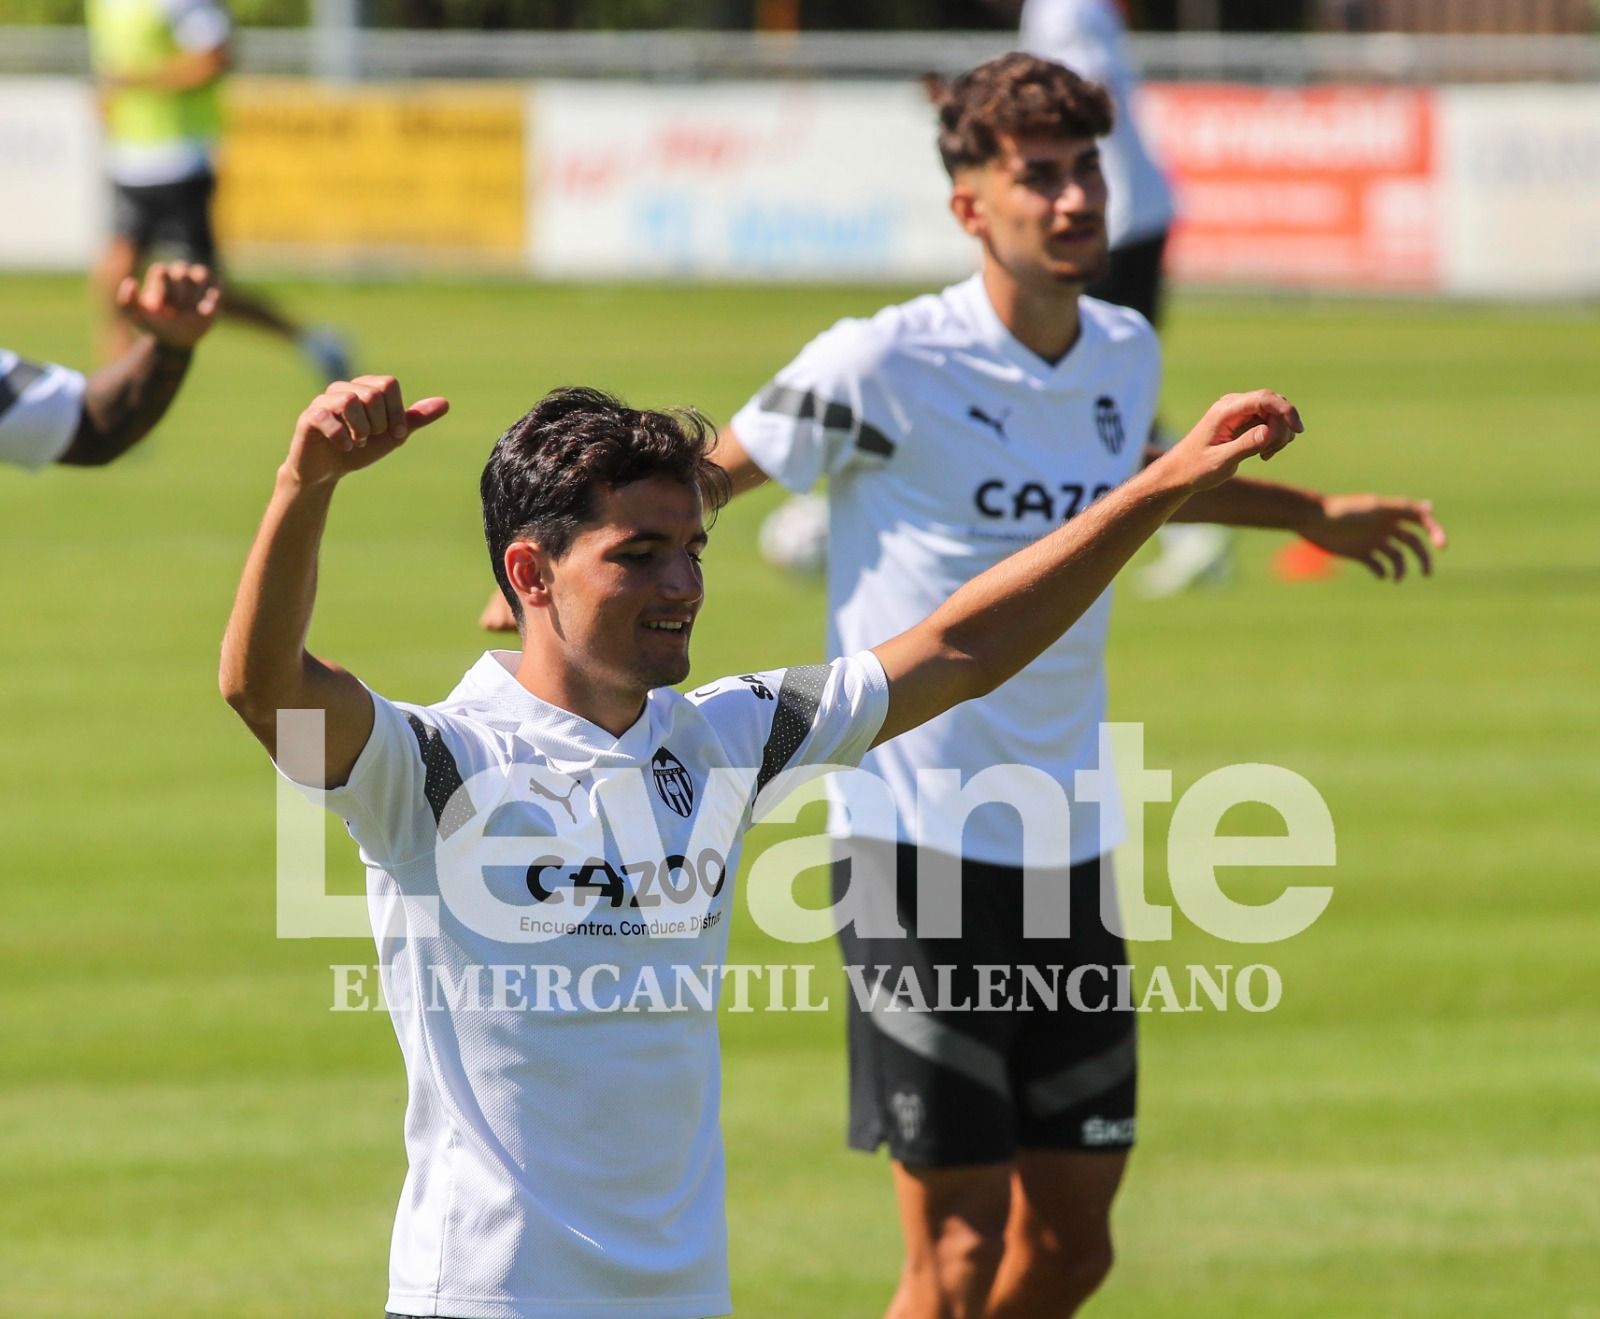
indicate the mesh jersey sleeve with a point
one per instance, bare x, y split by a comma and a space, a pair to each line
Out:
40, 407
813, 714
830, 408
404, 791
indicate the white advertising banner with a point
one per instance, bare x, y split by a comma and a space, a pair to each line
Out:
1496, 192
55, 205
739, 181
1522, 174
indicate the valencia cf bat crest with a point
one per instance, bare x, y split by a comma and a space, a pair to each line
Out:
673, 782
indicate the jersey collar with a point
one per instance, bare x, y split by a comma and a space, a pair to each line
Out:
559, 734
994, 335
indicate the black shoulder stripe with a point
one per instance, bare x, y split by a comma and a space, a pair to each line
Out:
15, 382
837, 417
788, 402
450, 809
874, 441
804, 406
798, 700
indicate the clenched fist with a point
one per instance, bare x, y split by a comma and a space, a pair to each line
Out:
176, 305
352, 424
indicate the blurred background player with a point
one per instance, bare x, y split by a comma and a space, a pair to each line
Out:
1090, 37
952, 430
52, 414
159, 66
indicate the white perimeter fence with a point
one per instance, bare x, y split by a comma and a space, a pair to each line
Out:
1300, 162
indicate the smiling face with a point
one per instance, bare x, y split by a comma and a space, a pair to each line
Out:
1039, 208
615, 612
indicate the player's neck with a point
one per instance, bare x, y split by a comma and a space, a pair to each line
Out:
1044, 321
572, 690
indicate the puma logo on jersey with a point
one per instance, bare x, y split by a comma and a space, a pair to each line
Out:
539, 790
996, 424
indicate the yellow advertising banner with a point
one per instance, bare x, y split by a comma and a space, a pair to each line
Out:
375, 173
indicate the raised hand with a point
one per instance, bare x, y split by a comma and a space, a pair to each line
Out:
1235, 427
352, 424
1377, 532
176, 305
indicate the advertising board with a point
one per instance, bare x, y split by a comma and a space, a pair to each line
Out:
757, 181
1304, 186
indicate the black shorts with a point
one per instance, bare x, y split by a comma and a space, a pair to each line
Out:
1134, 279
1028, 1063
174, 217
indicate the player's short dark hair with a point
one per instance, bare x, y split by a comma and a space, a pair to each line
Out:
1015, 95
544, 473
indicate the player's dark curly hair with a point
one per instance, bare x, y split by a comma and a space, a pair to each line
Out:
1016, 95
543, 474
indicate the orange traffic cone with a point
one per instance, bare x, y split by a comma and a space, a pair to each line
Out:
1303, 562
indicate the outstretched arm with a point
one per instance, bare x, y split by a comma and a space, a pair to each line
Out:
125, 399
1003, 619
743, 470
1371, 529
265, 664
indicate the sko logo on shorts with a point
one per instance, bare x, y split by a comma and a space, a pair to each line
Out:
1103, 1131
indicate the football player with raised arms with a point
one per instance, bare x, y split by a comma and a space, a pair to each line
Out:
550, 849
953, 430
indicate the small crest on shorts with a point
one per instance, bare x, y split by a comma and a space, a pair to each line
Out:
673, 782
909, 1113
1108, 1131
1108, 421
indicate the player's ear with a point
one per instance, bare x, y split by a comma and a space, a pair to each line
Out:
967, 207
527, 569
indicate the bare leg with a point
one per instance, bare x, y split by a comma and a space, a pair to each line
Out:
327, 351
253, 309
954, 1223
1058, 1238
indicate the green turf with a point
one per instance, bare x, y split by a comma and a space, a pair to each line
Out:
186, 1130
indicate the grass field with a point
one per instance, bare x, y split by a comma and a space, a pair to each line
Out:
187, 1131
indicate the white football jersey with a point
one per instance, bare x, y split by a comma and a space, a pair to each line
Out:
1089, 37
40, 407
948, 446
551, 907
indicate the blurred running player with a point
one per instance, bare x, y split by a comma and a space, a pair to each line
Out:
159, 66
52, 414
953, 430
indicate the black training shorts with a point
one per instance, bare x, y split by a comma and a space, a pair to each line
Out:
1019, 1066
172, 217
1134, 279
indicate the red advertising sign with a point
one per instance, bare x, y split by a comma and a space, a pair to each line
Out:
1314, 185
